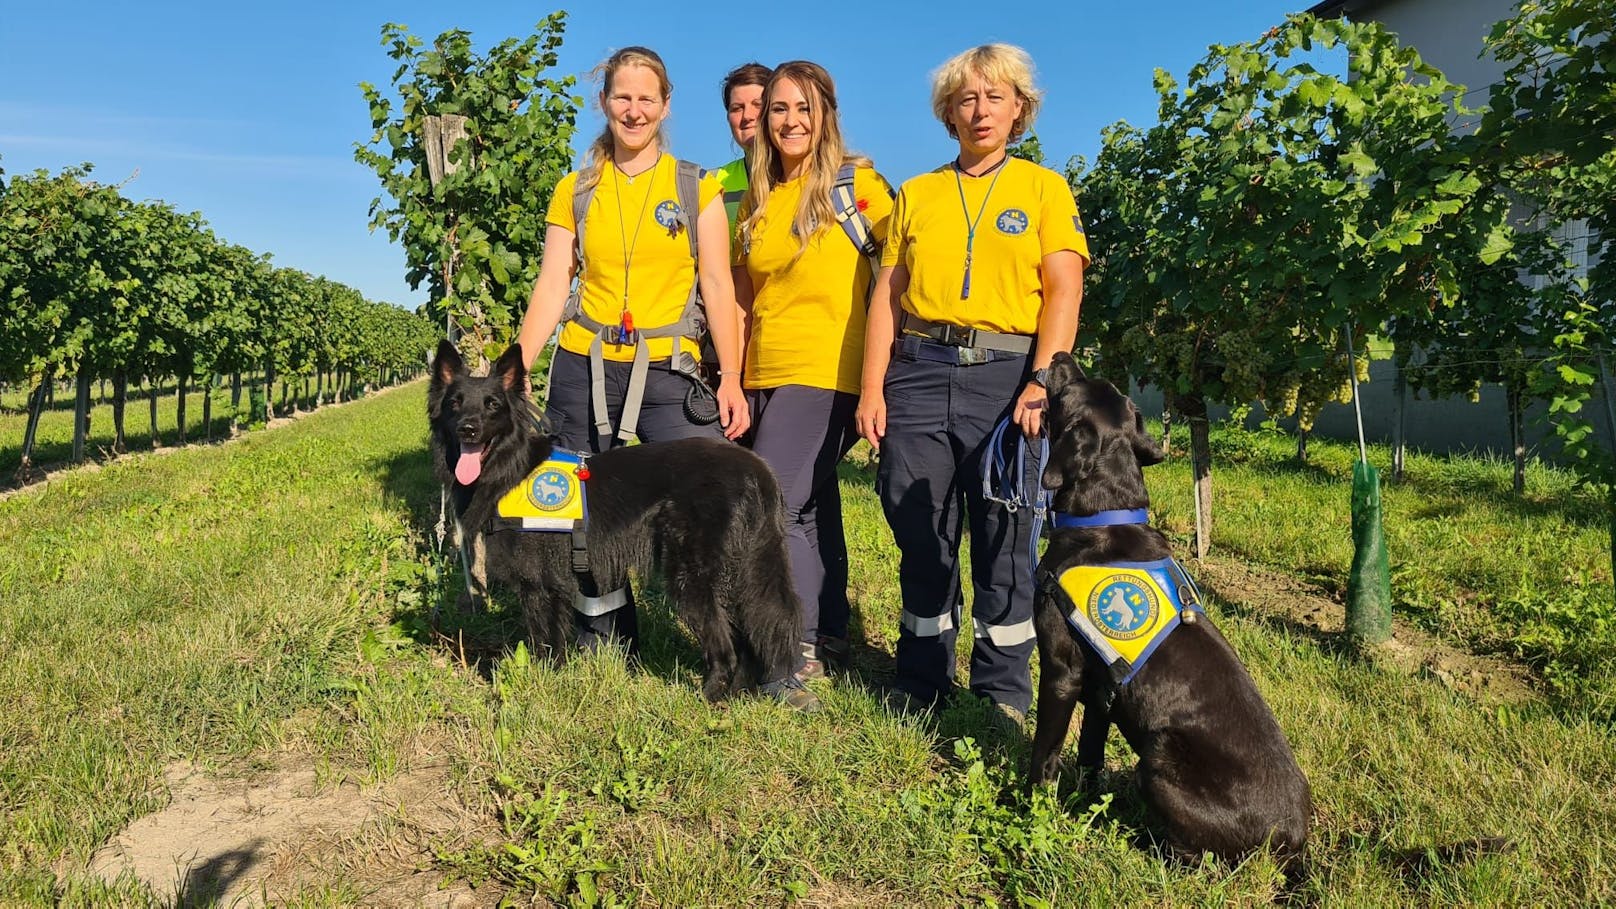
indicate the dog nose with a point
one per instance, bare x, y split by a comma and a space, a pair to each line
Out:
468, 432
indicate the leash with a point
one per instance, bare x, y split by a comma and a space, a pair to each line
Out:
1009, 485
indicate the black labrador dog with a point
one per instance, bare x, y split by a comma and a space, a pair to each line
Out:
1214, 766
705, 513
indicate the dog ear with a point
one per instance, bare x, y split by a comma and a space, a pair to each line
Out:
509, 368
1144, 447
447, 365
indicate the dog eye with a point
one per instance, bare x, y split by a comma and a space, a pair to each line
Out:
491, 403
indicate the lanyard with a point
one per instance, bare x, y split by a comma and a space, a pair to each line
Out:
626, 318
970, 224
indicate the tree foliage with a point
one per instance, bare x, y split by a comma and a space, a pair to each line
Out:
95, 285
1274, 210
474, 239
1551, 134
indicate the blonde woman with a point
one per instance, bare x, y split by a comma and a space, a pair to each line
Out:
639, 274
980, 285
812, 219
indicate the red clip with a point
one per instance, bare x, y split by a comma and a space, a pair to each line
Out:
583, 473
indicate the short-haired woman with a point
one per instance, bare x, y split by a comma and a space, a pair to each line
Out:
743, 104
804, 261
638, 273
980, 285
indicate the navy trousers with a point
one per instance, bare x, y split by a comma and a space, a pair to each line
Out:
662, 417
803, 433
939, 416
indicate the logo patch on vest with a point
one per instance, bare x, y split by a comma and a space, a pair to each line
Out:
551, 498
1124, 611
1012, 221
667, 214
1124, 607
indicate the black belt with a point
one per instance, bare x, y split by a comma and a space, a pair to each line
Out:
936, 352
960, 336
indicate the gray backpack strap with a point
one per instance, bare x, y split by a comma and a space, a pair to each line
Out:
854, 224
581, 195
692, 322
687, 183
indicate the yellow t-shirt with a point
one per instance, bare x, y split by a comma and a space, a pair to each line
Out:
632, 221
1029, 214
808, 316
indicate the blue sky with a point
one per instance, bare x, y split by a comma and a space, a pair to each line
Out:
249, 113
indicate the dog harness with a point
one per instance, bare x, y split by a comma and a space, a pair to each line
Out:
1123, 610
552, 499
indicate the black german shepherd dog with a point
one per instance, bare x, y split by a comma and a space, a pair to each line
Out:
707, 514
1214, 766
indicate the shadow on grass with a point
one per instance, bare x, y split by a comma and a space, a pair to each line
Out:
207, 883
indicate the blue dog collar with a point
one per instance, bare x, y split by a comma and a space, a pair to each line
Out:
1102, 518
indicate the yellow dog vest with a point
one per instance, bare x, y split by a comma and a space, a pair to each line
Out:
551, 498
1124, 610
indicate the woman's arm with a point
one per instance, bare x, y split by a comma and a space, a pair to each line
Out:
880, 330
550, 291
1062, 273
723, 316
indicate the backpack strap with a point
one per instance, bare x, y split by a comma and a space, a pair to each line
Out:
844, 199
854, 223
692, 322
687, 185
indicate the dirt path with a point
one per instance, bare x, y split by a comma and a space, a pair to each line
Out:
260, 840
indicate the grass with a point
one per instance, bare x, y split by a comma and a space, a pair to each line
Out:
227, 605
1527, 576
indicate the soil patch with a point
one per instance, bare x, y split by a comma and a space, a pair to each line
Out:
1284, 599
262, 840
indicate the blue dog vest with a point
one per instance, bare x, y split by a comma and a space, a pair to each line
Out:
552, 498
1124, 610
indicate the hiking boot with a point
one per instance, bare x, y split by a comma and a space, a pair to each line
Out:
793, 694
902, 703
1008, 718
812, 666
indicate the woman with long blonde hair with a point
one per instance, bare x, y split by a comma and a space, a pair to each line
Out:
807, 233
626, 357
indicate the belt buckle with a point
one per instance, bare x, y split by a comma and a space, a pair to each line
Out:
957, 335
972, 356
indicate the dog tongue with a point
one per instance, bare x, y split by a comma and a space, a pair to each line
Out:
470, 464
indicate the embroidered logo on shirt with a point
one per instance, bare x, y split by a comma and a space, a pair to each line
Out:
1077, 222
667, 214
1012, 221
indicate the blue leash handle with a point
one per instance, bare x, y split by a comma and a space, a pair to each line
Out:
1009, 484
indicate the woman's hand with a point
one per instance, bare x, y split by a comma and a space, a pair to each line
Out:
1029, 412
734, 414
871, 418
